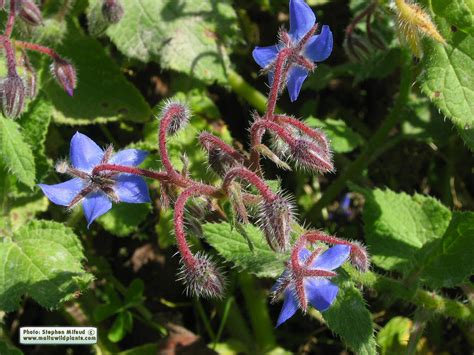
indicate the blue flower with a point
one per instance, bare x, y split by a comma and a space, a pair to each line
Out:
318, 291
97, 191
304, 50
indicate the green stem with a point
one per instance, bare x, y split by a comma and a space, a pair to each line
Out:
421, 298
256, 303
236, 325
419, 325
202, 314
247, 91
225, 315
373, 145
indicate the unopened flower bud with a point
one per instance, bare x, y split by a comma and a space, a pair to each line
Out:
359, 256
13, 94
31, 79
311, 156
30, 13
202, 278
275, 220
65, 74
112, 10
178, 115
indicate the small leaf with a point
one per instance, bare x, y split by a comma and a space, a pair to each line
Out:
134, 293
122, 324
393, 337
229, 243
8, 349
104, 311
450, 261
349, 318
15, 152
397, 226
102, 93
342, 138
43, 259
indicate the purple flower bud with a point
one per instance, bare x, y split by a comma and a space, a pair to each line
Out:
176, 115
311, 156
31, 79
30, 13
359, 256
203, 278
275, 220
12, 91
112, 10
65, 74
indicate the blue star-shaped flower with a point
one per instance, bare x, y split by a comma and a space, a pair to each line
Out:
97, 191
304, 50
319, 291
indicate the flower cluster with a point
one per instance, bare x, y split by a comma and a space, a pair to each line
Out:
100, 177
16, 88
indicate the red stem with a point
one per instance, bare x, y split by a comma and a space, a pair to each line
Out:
38, 48
160, 176
278, 73
10, 55
208, 140
315, 134
252, 178
11, 19
194, 191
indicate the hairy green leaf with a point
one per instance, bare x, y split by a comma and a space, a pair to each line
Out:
397, 226
15, 152
232, 245
450, 260
393, 337
44, 260
180, 35
350, 319
459, 13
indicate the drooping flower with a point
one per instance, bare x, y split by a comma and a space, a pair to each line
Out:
98, 190
302, 50
309, 283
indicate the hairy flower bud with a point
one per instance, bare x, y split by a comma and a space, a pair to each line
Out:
359, 256
30, 13
275, 220
112, 10
13, 94
31, 79
178, 115
202, 278
65, 74
311, 156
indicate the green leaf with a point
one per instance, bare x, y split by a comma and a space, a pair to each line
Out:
15, 152
104, 311
450, 261
397, 226
180, 35
229, 243
343, 138
44, 260
122, 324
393, 337
467, 135
124, 219
448, 78
147, 349
7, 349
459, 13
134, 293
102, 93
24, 209
35, 123
349, 318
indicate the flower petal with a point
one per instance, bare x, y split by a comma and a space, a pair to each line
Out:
290, 305
332, 258
302, 18
303, 254
63, 193
85, 153
132, 189
321, 293
129, 157
95, 205
319, 47
265, 55
296, 77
